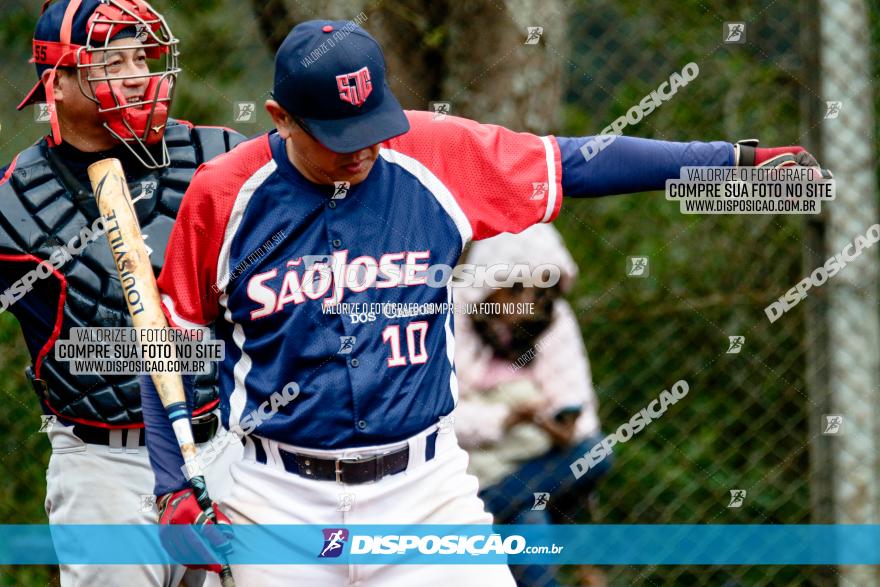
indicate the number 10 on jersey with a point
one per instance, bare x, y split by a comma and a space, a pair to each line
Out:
415, 344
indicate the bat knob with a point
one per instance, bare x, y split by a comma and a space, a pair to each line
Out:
226, 579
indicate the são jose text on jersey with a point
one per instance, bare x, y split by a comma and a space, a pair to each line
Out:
364, 379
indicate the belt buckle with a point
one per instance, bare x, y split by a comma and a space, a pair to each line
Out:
377, 459
338, 466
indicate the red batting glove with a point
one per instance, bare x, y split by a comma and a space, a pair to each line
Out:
749, 154
182, 507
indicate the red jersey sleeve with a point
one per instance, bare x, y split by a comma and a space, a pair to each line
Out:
501, 180
190, 283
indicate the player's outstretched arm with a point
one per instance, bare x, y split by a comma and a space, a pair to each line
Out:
627, 165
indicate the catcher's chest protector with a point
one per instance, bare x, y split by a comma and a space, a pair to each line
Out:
39, 214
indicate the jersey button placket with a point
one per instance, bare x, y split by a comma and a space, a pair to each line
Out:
362, 424
331, 204
336, 243
355, 363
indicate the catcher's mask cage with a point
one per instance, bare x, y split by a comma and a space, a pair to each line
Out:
137, 125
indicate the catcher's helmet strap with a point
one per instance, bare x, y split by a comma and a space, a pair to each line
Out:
67, 22
50, 104
58, 54
54, 53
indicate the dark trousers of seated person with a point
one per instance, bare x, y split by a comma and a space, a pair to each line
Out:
511, 499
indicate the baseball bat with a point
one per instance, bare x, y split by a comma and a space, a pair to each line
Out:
142, 298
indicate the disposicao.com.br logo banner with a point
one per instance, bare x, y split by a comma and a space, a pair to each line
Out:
420, 544
629, 544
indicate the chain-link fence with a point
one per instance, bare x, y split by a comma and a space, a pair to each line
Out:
755, 418
759, 415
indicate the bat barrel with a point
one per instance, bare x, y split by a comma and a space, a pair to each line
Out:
142, 298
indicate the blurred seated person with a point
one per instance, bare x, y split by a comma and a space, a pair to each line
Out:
526, 407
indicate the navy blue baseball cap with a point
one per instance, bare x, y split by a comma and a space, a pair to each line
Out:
56, 26
331, 76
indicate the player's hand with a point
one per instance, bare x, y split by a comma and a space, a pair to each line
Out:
182, 507
749, 154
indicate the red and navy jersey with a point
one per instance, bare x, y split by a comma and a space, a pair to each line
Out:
242, 256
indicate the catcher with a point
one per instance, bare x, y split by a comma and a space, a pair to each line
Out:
94, 60
374, 385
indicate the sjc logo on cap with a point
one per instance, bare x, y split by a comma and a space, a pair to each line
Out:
354, 87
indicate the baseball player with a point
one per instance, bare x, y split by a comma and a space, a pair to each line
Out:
364, 428
94, 63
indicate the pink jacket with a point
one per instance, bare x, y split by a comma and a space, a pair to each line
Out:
560, 369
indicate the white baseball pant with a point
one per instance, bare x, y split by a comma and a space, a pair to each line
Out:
96, 484
438, 491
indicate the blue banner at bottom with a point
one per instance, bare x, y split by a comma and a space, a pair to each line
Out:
390, 544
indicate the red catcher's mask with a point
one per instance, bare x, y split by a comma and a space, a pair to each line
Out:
138, 125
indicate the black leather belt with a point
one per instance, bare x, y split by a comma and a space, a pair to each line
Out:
204, 428
347, 471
